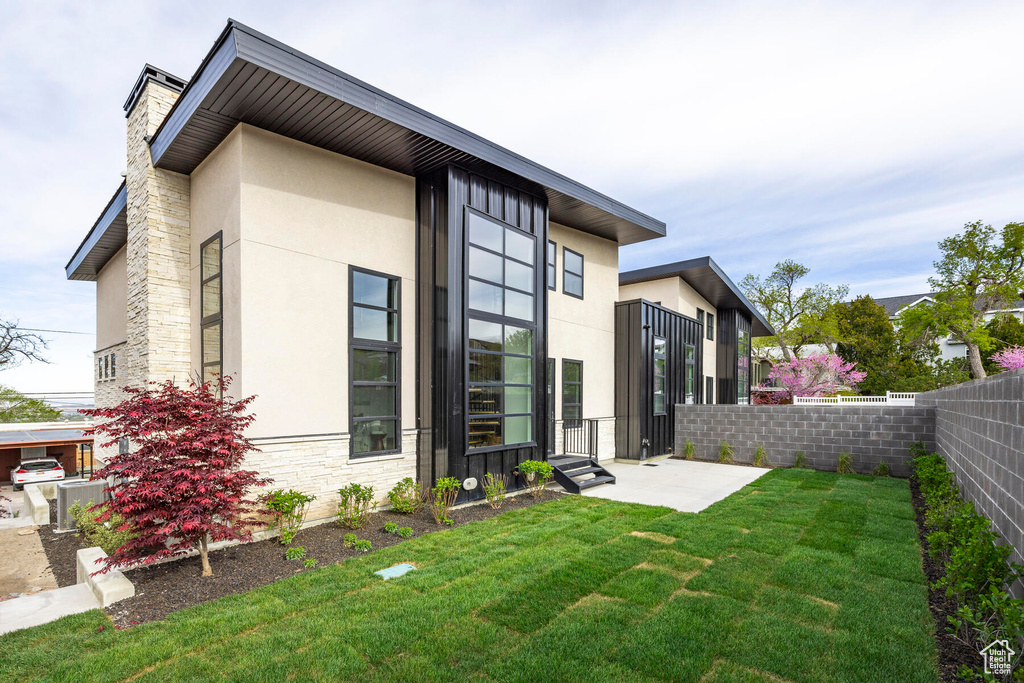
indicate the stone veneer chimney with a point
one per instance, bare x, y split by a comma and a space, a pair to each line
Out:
159, 243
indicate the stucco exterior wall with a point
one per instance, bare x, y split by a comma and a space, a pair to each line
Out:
112, 301
584, 329
306, 216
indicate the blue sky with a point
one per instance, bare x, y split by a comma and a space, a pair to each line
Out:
851, 137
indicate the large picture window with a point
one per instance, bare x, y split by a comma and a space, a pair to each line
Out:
375, 366
212, 307
500, 331
572, 273
572, 390
660, 362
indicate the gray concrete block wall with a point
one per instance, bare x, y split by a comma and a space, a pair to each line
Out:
871, 434
979, 430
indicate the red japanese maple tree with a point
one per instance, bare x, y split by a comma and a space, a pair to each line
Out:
181, 485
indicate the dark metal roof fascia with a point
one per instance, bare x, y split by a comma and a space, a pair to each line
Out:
151, 73
117, 204
239, 41
682, 268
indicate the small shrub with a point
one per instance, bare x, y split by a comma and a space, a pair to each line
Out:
725, 452
494, 489
690, 450
355, 505
107, 535
349, 540
406, 497
845, 465
309, 562
537, 474
442, 498
760, 456
800, 459
390, 527
289, 509
296, 552
364, 545
405, 532
881, 470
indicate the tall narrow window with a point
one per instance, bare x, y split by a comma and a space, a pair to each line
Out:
700, 316
690, 379
212, 304
551, 405
99, 368
709, 389
572, 390
660, 361
743, 366
710, 329
375, 362
552, 255
501, 322
113, 365
572, 273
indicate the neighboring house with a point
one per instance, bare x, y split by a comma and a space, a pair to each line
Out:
948, 347
404, 298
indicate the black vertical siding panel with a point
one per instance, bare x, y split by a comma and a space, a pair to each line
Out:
496, 201
478, 193
512, 206
427, 195
526, 213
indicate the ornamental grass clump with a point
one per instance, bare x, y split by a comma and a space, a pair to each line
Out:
800, 459
406, 497
690, 450
494, 489
181, 485
845, 464
881, 470
725, 452
356, 503
760, 456
289, 509
537, 474
442, 498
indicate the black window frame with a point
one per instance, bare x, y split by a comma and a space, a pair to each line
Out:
710, 331
552, 265
654, 376
709, 389
213, 319
567, 361
700, 317
505, 321
362, 344
565, 270
690, 385
549, 382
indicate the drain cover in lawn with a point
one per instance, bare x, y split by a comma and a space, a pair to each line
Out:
395, 571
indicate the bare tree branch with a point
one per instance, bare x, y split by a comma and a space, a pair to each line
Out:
18, 345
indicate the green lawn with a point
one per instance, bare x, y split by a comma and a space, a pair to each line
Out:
801, 576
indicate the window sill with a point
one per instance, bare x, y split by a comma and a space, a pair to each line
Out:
383, 457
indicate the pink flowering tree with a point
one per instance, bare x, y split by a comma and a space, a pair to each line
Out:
819, 375
1010, 358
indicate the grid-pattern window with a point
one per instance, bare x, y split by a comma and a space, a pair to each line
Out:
572, 390
743, 367
710, 329
106, 366
552, 256
501, 353
212, 304
375, 396
690, 378
572, 273
660, 363
709, 389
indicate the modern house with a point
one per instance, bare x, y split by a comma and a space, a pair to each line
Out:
405, 298
949, 348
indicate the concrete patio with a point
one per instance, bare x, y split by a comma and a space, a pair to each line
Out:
684, 485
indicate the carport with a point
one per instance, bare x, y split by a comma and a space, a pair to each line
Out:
65, 441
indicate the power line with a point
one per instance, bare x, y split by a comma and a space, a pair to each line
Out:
32, 329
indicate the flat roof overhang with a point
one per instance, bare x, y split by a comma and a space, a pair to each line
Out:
251, 78
106, 237
709, 280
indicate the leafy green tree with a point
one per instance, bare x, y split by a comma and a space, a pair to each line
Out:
799, 315
16, 407
979, 271
1004, 331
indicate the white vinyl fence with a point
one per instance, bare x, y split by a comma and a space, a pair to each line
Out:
891, 398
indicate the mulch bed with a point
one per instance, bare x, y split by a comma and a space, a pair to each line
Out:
61, 549
953, 653
168, 587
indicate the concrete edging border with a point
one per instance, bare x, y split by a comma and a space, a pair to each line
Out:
108, 588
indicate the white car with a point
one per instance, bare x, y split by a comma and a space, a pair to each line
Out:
35, 471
